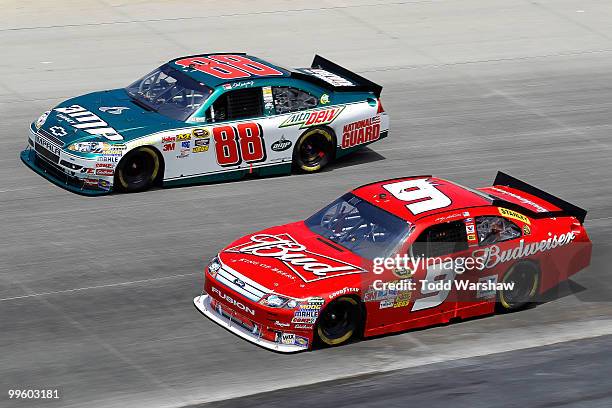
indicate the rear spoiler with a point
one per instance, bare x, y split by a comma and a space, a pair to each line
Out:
503, 179
359, 83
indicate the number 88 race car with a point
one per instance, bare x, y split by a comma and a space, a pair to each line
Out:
206, 118
395, 255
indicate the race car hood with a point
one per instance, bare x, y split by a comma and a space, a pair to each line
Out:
293, 261
106, 116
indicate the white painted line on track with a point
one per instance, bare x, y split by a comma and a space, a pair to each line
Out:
110, 285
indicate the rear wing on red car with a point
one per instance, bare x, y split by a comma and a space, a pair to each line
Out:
567, 209
330, 75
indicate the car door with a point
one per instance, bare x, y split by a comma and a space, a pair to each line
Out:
437, 251
287, 108
426, 261
493, 234
238, 129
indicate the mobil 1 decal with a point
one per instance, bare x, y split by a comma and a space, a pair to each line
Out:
240, 143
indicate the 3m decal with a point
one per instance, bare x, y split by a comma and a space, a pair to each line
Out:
243, 142
228, 66
89, 122
306, 264
362, 131
312, 118
514, 215
425, 195
169, 147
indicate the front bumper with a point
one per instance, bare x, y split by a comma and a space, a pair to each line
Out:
74, 173
58, 177
222, 316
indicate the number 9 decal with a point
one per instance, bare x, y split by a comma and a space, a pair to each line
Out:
442, 270
426, 196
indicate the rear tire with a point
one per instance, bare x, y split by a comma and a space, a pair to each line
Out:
526, 278
138, 170
339, 321
314, 150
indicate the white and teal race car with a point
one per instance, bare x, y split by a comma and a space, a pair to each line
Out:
206, 118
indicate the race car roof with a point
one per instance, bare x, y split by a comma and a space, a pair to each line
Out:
220, 68
411, 198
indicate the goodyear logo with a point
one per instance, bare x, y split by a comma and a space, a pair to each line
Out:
514, 215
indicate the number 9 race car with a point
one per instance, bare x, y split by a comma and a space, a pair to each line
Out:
395, 255
206, 118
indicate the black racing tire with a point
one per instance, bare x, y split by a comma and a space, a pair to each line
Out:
138, 170
314, 150
526, 278
339, 321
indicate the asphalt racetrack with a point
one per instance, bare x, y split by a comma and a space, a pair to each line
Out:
96, 293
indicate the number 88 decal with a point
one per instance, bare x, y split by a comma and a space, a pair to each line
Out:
235, 144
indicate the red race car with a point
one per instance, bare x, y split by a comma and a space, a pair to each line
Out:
392, 256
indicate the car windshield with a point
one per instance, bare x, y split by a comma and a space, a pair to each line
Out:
169, 92
360, 227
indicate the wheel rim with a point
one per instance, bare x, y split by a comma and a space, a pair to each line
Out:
138, 169
313, 150
525, 286
338, 321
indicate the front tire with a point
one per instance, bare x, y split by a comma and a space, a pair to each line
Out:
138, 170
526, 278
339, 321
314, 150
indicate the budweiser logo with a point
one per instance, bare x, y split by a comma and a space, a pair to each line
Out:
494, 255
295, 256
